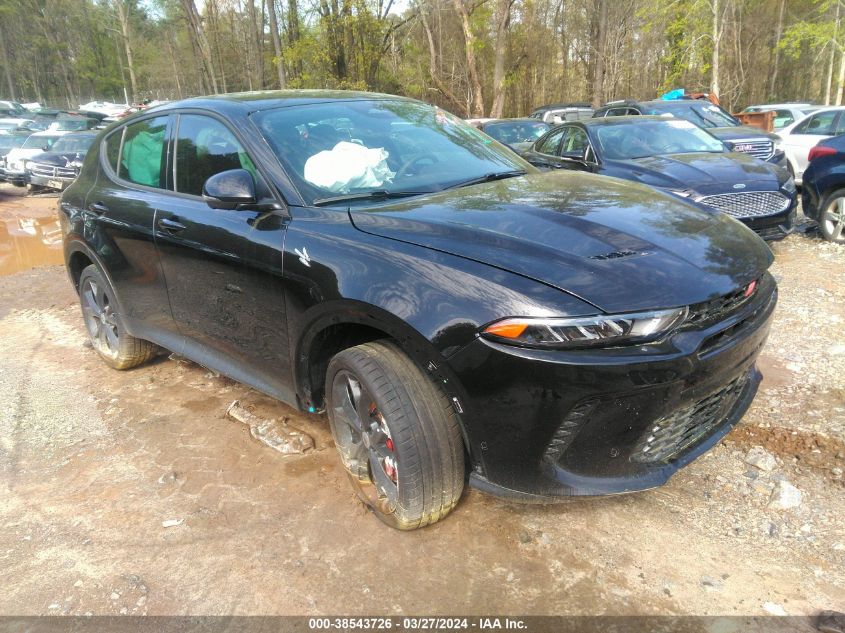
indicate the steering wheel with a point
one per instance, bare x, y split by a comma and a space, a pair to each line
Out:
405, 167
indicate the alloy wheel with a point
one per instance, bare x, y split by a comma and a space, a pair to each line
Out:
100, 319
365, 443
833, 219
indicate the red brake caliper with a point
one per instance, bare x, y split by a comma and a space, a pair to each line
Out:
389, 464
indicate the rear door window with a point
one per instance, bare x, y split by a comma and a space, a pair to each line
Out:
205, 147
143, 157
821, 124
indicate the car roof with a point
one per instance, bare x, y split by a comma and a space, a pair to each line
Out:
516, 120
246, 102
618, 120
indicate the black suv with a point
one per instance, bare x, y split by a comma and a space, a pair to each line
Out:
716, 120
454, 311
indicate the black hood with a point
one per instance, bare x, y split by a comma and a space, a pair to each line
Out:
741, 132
618, 245
703, 172
57, 159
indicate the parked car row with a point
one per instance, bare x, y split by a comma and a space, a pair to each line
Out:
692, 148
43, 160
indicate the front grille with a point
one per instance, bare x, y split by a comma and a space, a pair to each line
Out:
718, 308
670, 435
747, 204
51, 171
762, 148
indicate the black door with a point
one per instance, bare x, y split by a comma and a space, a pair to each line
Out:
119, 214
224, 267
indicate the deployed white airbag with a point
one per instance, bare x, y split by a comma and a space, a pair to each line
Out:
348, 166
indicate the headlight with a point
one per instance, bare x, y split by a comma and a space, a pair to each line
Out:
684, 193
789, 185
591, 331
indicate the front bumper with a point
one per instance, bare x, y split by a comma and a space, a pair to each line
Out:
774, 227
17, 178
545, 425
54, 182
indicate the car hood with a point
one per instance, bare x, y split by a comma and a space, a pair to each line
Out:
19, 153
701, 171
618, 245
57, 159
743, 132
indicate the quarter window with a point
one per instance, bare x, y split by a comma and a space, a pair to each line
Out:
575, 143
205, 147
550, 144
142, 159
113, 148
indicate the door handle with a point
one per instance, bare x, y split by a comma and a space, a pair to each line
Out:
167, 224
98, 208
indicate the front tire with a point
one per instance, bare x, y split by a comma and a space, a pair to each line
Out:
397, 435
109, 338
832, 217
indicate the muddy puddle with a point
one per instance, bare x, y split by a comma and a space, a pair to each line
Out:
29, 242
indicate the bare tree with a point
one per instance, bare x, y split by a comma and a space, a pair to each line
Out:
476, 97
279, 60
122, 7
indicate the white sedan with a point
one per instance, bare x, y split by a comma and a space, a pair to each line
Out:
797, 139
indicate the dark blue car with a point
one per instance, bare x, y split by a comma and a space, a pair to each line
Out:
679, 157
823, 190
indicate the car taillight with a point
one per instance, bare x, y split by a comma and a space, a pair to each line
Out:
820, 150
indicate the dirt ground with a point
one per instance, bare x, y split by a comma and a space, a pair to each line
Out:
93, 461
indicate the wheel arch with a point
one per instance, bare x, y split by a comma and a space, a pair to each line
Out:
78, 256
351, 323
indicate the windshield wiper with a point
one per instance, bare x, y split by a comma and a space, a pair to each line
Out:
495, 175
377, 194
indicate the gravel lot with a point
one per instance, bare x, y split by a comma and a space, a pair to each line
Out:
94, 461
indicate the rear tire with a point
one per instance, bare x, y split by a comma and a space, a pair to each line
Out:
106, 332
832, 217
397, 435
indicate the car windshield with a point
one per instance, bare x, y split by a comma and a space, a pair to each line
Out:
71, 144
339, 152
38, 142
516, 131
68, 124
641, 138
701, 113
10, 142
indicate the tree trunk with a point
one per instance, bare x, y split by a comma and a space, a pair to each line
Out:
293, 35
432, 66
600, 52
123, 18
255, 42
200, 41
279, 60
502, 23
841, 82
7, 66
717, 37
833, 42
476, 96
778, 34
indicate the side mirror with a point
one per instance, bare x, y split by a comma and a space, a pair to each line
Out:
229, 189
46, 148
